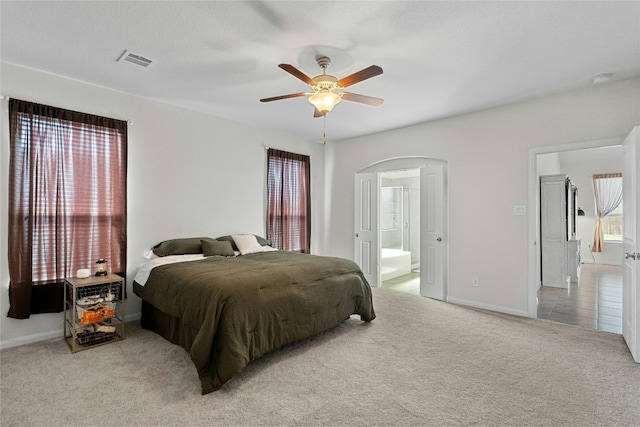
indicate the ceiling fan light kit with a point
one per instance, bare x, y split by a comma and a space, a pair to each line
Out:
325, 87
324, 100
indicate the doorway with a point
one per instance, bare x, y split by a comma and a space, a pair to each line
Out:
430, 261
593, 298
399, 207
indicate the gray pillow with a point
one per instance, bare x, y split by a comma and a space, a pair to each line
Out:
179, 246
216, 248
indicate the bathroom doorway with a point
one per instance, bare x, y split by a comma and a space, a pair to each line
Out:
432, 210
400, 230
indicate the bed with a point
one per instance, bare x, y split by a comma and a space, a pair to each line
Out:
227, 310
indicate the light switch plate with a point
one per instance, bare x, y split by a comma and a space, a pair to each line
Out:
519, 210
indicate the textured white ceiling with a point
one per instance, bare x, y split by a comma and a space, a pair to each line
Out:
439, 58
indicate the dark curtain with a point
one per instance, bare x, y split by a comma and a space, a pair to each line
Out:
67, 201
289, 201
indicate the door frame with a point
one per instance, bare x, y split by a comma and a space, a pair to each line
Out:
534, 210
417, 162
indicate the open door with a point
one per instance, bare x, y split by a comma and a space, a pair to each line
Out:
630, 239
366, 226
432, 240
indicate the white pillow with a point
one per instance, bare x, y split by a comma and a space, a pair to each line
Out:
247, 243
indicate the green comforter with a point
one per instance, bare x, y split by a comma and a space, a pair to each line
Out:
246, 306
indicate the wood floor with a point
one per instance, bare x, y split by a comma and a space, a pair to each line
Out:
595, 303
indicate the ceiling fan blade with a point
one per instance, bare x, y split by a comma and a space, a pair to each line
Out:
359, 76
370, 100
297, 73
317, 113
276, 98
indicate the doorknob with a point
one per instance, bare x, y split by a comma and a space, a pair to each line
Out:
439, 239
357, 234
632, 255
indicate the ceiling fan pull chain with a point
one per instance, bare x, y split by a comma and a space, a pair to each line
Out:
324, 128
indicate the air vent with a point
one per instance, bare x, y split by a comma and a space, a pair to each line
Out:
136, 60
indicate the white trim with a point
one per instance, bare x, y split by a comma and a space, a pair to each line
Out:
55, 334
533, 169
401, 163
43, 336
490, 307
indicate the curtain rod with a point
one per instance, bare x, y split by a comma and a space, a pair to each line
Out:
266, 148
6, 98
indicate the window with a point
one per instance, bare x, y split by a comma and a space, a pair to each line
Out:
612, 225
67, 201
607, 192
289, 202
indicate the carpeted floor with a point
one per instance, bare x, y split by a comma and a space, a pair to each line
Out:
421, 362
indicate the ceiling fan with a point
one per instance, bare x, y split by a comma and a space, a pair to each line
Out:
327, 88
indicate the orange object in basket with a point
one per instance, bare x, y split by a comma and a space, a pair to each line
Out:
96, 315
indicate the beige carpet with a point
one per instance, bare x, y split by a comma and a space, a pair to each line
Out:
421, 362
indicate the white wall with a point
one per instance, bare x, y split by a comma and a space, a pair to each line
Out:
580, 166
189, 174
487, 154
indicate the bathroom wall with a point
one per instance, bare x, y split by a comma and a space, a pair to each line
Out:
408, 237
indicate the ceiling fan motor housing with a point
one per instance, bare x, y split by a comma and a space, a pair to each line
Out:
325, 82
323, 61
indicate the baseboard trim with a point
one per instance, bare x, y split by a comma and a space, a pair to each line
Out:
29, 339
490, 307
615, 264
45, 336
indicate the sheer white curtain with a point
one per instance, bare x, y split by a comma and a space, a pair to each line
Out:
607, 189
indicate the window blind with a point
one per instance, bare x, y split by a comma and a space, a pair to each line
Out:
67, 201
289, 201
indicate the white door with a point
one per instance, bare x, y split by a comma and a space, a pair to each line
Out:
366, 237
631, 237
432, 239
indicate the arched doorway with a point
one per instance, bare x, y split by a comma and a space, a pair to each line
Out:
433, 258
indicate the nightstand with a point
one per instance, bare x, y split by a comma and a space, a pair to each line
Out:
93, 311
